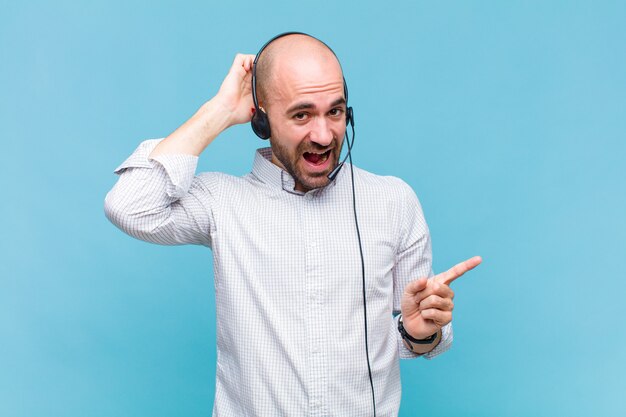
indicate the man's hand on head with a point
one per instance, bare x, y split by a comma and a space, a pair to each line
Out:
235, 93
427, 303
230, 106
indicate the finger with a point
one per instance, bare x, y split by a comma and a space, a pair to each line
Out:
441, 290
440, 318
436, 302
239, 64
458, 270
433, 287
414, 287
438, 288
247, 64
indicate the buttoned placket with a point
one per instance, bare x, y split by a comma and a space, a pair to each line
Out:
317, 322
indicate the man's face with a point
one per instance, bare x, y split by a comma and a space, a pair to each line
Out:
307, 112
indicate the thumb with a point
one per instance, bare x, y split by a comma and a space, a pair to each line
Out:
413, 287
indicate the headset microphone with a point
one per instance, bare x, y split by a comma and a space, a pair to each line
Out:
350, 119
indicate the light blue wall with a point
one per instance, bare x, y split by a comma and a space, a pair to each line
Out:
507, 118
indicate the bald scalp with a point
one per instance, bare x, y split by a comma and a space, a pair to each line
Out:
282, 51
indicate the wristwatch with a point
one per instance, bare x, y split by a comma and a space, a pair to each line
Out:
406, 336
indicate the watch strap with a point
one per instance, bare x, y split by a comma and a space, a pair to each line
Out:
406, 336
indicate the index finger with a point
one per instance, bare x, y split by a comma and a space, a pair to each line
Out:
458, 270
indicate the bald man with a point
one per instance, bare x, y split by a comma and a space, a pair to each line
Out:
289, 303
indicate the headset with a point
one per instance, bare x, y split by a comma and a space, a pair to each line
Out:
261, 126
260, 122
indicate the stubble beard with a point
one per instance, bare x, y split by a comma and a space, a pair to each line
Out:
290, 163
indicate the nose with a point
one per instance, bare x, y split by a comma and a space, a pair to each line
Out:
321, 132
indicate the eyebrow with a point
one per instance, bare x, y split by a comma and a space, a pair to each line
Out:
305, 105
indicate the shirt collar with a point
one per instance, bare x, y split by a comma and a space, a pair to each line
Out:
269, 173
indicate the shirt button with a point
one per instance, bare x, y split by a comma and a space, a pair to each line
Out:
313, 244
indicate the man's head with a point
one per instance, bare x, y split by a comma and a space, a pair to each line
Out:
300, 86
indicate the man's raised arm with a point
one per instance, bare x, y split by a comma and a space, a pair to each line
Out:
158, 198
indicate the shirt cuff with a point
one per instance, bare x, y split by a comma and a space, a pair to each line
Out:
444, 344
180, 168
405, 353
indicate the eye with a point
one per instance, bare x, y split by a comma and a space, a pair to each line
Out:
300, 116
336, 112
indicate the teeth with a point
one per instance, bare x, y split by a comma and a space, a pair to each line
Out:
317, 158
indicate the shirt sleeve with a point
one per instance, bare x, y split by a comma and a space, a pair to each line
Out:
414, 260
160, 200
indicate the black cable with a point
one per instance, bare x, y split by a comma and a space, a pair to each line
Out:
358, 234
263, 131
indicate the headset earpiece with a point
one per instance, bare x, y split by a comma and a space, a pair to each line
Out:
261, 124
349, 117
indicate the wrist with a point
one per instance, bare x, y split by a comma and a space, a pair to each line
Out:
218, 112
227, 112
415, 344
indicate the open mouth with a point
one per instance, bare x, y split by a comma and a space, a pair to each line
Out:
316, 158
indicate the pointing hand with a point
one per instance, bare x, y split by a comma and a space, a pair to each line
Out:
427, 303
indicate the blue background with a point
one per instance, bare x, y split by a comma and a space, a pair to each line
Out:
507, 118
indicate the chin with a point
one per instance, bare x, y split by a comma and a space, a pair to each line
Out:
311, 184
310, 181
